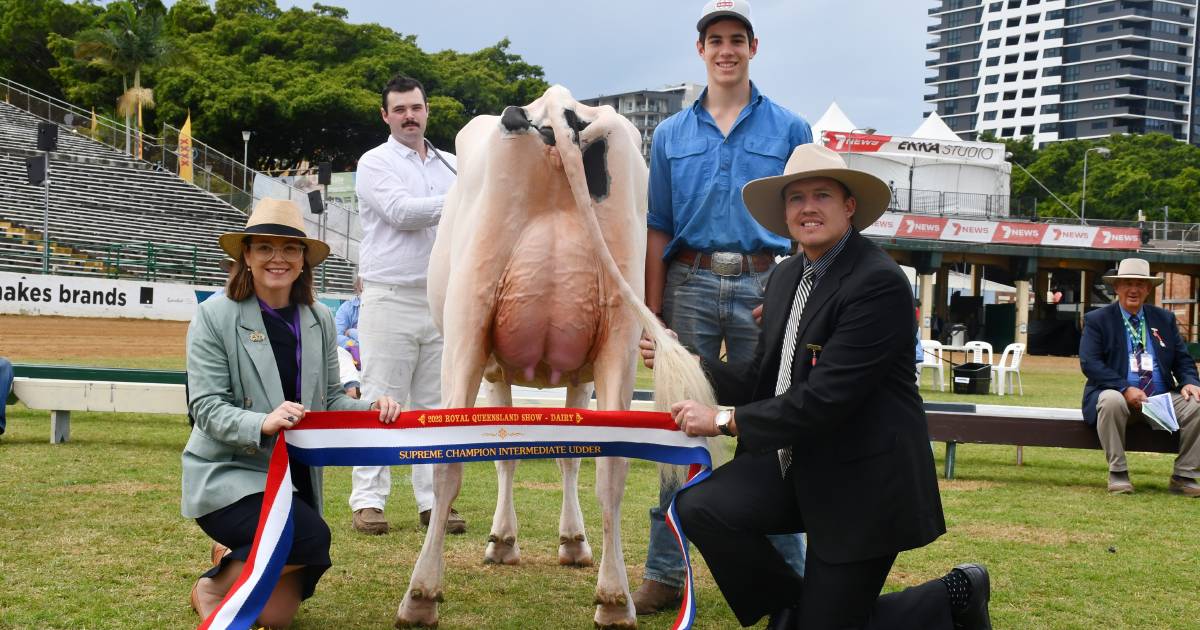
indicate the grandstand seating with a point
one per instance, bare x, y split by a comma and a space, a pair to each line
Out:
112, 214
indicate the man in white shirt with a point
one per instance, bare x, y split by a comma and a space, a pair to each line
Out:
401, 186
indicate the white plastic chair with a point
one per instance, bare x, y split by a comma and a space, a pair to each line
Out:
1009, 366
932, 360
977, 350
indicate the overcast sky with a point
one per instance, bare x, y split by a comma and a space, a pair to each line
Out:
868, 55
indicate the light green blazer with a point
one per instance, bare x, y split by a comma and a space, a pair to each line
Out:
233, 383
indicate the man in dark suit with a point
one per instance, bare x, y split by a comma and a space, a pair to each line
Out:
1129, 351
832, 438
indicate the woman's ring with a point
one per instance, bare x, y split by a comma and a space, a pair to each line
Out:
291, 418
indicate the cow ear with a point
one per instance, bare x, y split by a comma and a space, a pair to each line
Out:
595, 169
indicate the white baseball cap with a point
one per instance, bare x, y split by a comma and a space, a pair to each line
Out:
716, 9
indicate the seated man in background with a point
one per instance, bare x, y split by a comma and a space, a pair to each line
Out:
346, 321
1130, 351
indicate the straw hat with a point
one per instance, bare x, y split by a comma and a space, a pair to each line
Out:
764, 197
275, 217
1133, 269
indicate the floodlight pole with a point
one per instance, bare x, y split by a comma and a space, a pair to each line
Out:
46, 219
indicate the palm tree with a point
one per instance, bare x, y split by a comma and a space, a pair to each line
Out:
132, 40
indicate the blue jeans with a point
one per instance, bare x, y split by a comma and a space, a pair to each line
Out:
6, 379
706, 310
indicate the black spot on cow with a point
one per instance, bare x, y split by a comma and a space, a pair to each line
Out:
595, 168
547, 135
514, 119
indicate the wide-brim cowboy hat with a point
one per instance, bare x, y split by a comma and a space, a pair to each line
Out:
275, 217
764, 197
1133, 269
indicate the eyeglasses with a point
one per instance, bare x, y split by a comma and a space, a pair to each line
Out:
265, 251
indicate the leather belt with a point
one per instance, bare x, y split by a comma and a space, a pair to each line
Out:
727, 263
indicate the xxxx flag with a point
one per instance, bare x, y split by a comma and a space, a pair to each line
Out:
185, 149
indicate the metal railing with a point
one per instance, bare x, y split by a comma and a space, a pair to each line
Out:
148, 261
945, 203
213, 171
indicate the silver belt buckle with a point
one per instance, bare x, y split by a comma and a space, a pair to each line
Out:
726, 263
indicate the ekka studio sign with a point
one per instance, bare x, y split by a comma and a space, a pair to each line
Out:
899, 146
895, 225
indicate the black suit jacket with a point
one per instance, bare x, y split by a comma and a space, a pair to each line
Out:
1104, 353
862, 465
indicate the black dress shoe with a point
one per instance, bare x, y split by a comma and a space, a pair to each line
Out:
785, 619
974, 616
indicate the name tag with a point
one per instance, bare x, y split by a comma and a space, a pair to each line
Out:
1146, 364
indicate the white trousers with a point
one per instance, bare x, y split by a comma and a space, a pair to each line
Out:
402, 358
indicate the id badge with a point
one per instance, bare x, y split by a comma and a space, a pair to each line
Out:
1133, 363
1147, 362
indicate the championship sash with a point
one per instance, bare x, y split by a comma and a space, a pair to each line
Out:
357, 438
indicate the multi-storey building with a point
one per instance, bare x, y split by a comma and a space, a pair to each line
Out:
1061, 69
647, 108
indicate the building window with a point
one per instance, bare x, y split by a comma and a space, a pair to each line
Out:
1012, 41
1031, 37
1030, 56
1013, 22
1103, 47
1053, 52
1008, 113
993, 61
1033, 18
993, 25
1011, 58
1099, 124
993, 43
1050, 109
1048, 128
1029, 93
1010, 77
991, 79
1010, 95
1101, 105
1105, 67
1029, 74
1027, 111
1006, 132
1106, 8
990, 97
1026, 130
989, 115
950, 108
1102, 86
1104, 28
1050, 89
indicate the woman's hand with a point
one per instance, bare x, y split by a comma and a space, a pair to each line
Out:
285, 416
388, 409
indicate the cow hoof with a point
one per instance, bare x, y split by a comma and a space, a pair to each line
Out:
615, 618
574, 551
417, 611
504, 551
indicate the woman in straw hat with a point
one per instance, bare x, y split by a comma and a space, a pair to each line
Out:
259, 358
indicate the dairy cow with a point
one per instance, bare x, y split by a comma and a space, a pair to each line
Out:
536, 278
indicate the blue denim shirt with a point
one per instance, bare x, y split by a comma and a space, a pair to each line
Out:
346, 321
697, 175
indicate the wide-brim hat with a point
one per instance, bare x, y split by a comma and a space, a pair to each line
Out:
1133, 269
717, 9
764, 197
275, 217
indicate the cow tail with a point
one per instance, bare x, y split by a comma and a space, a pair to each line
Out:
677, 374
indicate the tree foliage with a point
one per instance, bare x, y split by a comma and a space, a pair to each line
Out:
1144, 173
306, 82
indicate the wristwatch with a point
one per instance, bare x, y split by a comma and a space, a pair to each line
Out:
724, 417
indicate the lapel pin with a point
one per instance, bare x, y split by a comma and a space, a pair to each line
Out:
1158, 337
257, 336
815, 349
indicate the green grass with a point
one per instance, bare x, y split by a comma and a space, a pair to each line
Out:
91, 537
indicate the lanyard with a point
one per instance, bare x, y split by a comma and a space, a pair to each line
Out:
293, 326
1138, 336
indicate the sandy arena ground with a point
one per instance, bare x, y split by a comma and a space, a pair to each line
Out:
80, 341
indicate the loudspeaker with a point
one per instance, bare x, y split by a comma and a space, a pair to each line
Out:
325, 173
35, 169
315, 205
47, 139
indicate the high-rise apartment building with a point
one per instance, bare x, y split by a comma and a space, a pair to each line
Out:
1063, 69
647, 108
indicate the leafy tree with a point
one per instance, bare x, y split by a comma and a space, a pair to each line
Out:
25, 28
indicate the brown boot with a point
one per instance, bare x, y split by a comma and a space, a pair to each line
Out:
370, 521
455, 524
653, 596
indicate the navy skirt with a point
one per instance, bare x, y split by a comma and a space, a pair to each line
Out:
234, 526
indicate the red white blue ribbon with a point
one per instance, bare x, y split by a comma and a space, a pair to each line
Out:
445, 436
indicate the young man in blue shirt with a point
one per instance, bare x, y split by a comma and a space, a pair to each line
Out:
707, 259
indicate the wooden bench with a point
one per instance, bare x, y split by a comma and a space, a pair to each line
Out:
955, 423
63, 389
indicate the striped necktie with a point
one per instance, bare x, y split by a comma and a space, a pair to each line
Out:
784, 381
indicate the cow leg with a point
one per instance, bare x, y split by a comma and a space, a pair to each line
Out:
573, 547
460, 385
614, 372
502, 545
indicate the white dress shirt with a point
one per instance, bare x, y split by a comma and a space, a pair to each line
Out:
400, 203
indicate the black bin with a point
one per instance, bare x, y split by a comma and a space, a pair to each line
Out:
972, 378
